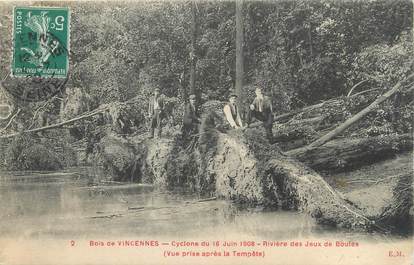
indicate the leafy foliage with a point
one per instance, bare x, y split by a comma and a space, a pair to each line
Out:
27, 152
302, 52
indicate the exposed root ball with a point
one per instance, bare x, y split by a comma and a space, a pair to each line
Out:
399, 213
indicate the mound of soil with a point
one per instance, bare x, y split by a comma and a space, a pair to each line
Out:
119, 158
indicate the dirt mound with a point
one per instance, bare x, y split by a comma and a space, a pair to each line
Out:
135, 159
120, 158
154, 166
235, 170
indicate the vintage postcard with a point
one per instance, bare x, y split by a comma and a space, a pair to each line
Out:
206, 132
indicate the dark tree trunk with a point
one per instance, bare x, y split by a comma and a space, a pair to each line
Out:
239, 51
193, 56
346, 154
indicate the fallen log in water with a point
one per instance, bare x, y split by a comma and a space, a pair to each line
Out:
346, 154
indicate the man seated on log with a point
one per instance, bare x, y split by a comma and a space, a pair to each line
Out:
191, 119
232, 113
262, 110
155, 112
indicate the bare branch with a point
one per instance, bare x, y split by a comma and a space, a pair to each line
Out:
10, 121
355, 86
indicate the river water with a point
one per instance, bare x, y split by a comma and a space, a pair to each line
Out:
75, 204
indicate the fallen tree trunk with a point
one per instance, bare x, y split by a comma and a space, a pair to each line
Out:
318, 124
298, 133
57, 125
315, 110
341, 128
308, 112
347, 154
301, 127
101, 109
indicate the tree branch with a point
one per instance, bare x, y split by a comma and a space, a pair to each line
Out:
330, 135
10, 121
355, 86
57, 125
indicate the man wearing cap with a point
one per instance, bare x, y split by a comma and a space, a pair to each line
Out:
232, 113
155, 111
262, 110
191, 119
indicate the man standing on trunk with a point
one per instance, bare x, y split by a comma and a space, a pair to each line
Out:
262, 110
191, 119
232, 112
155, 112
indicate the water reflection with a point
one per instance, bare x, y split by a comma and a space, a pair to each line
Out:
76, 203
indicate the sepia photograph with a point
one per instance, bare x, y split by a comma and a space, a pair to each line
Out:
206, 132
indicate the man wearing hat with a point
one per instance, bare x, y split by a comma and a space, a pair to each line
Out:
155, 112
191, 119
262, 110
232, 113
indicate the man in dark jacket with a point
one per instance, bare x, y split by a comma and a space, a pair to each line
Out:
191, 119
155, 112
262, 110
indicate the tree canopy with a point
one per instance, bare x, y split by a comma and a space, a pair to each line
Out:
301, 51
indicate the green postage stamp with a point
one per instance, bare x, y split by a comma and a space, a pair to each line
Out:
40, 42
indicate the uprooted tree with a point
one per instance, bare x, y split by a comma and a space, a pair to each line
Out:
243, 166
